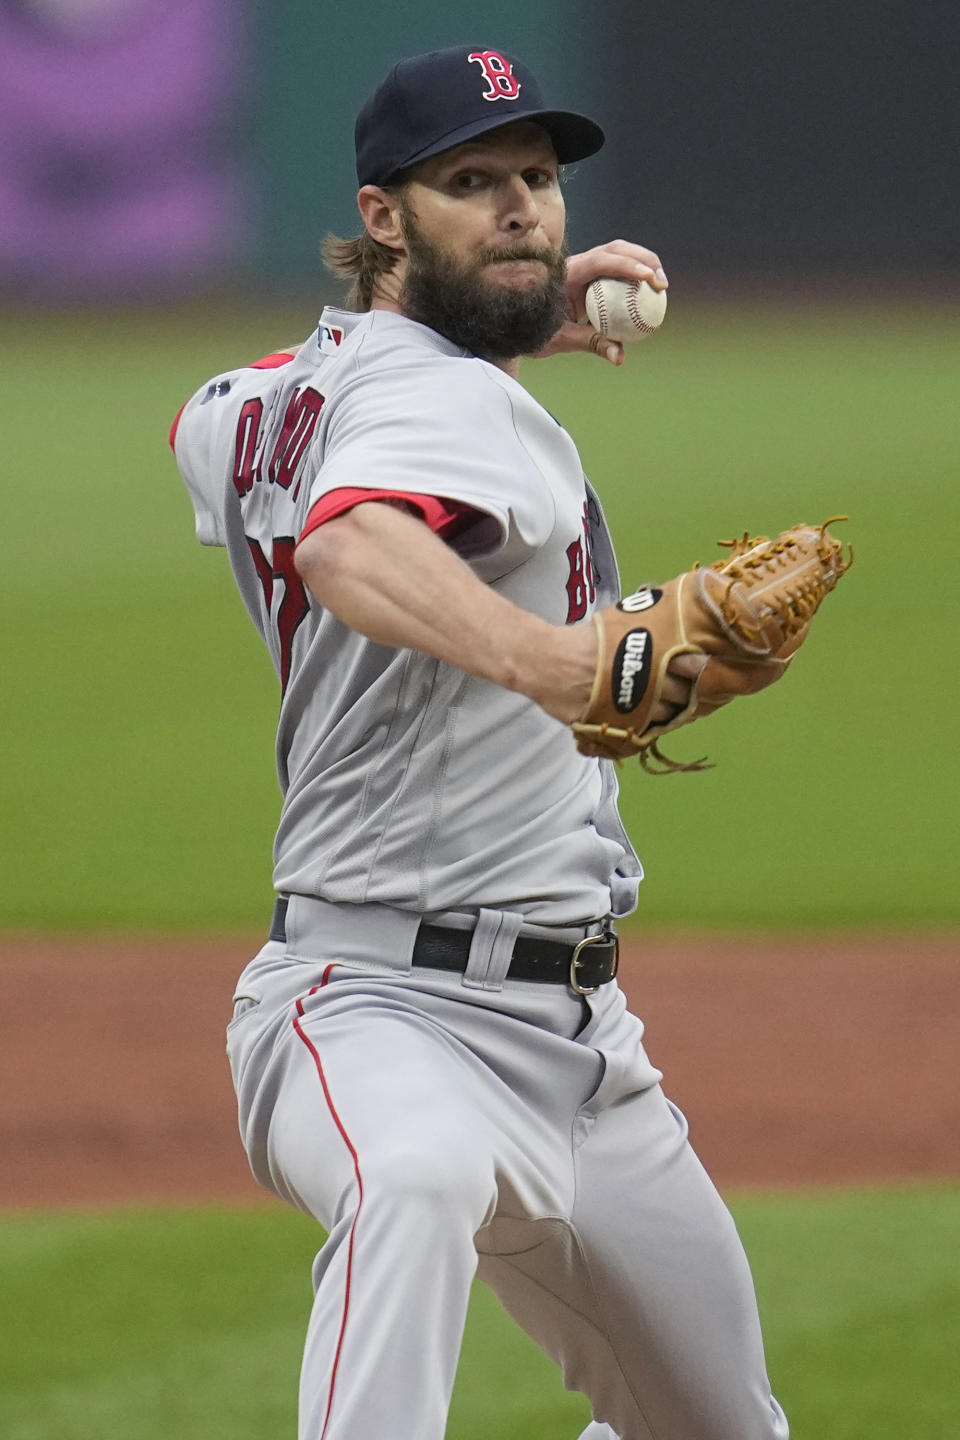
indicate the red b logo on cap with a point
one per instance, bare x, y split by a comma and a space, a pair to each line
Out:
498, 74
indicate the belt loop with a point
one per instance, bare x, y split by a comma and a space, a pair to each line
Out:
278, 924
491, 949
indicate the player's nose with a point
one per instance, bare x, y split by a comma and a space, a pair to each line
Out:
519, 212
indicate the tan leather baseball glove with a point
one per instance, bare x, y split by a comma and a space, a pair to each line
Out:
747, 615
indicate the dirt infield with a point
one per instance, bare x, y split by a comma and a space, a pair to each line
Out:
798, 1061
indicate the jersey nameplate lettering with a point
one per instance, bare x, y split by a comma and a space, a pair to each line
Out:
296, 432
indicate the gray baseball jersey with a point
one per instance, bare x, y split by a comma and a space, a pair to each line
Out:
396, 769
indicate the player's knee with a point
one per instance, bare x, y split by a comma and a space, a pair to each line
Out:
439, 1182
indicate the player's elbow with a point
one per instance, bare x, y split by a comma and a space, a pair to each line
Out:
331, 557
319, 558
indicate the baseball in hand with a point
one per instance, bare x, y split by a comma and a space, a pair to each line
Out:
625, 310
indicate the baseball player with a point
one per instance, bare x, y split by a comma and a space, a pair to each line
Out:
431, 1053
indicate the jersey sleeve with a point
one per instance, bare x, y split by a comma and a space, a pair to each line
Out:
444, 428
446, 518
193, 440
203, 439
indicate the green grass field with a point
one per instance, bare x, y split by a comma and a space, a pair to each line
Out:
151, 1324
138, 709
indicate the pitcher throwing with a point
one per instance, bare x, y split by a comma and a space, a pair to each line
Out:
431, 1053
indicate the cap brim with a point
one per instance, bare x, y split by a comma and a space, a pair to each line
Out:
574, 137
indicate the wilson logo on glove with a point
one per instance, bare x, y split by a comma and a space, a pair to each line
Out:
631, 670
643, 599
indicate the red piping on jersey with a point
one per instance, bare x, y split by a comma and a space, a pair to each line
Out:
356, 1170
445, 518
272, 362
176, 422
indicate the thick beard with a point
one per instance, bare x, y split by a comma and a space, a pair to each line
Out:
494, 322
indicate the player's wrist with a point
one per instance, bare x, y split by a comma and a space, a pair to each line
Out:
555, 667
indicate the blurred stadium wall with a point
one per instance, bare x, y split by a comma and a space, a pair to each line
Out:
792, 138
172, 146
119, 175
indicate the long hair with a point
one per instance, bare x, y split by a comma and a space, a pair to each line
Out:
360, 261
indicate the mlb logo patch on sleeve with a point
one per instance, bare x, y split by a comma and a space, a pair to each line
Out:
329, 338
216, 391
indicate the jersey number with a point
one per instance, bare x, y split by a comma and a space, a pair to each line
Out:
294, 605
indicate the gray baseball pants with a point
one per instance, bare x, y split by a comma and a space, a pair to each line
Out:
441, 1126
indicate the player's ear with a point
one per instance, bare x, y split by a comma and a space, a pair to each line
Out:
380, 211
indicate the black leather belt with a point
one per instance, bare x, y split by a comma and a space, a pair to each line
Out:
584, 967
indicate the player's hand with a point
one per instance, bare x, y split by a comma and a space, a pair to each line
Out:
563, 686
618, 259
677, 685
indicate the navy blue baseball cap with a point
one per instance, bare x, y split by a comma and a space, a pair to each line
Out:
429, 103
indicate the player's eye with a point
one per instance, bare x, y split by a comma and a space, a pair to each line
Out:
538, 179
469, 180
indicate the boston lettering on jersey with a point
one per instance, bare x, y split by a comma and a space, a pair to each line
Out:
582, 579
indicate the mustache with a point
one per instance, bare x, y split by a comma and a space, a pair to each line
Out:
490, 255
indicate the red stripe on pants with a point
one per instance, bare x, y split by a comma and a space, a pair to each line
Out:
356, 1170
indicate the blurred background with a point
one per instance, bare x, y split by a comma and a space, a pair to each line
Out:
174, 147
168, 170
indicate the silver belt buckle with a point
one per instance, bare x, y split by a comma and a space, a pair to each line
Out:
576, 963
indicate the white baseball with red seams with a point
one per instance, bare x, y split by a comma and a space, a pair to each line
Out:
625, 310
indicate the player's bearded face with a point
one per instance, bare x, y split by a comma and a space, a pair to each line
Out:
462, 299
